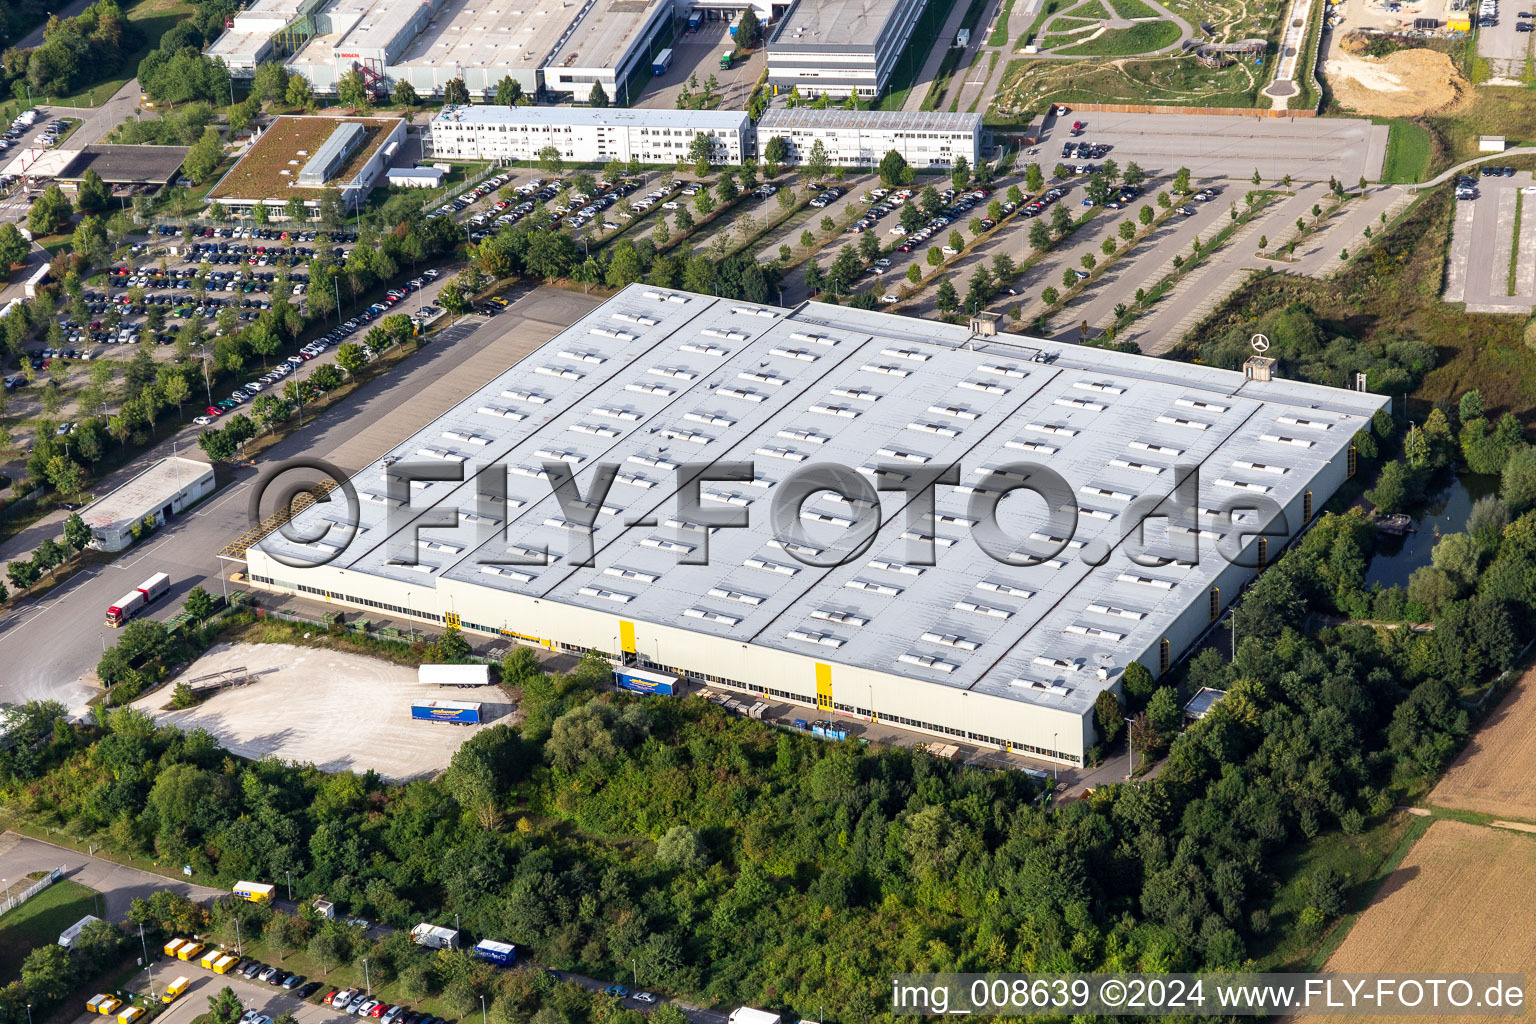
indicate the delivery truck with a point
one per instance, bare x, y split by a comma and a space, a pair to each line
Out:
189, 951
662, 62
644, 681
458, 712
211, 957
130, 1014
493, 952
136, 600
254, 892
225, 963
174, 946
433, 937
93, 1004
68, 936
695, 20
174, 990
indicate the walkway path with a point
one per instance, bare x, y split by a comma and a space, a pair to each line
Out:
940, 47
1284, 86
1448, 174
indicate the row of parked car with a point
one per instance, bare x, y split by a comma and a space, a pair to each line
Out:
360, 1004
956, 206
828, 196
266, 234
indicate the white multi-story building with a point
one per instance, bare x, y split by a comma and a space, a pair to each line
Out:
585, 134
841, 47
860, 138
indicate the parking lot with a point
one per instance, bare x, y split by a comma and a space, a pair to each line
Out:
358, 721
698, 54
1211, 146
1503, 43
1484, 246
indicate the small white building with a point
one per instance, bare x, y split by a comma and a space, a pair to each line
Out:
159, 493
415, 177
861, 138
585, 134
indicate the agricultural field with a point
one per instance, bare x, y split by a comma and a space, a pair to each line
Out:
1492, 775
1462, 900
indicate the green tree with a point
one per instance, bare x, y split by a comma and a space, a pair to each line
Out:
1034, 178
749, 31
352, 91
199, 603
551, 161
204, 156
50, 213
350, 357
598, 97
817, 164
945, 300
405, 95
893, 169
299, 93
960, 174
508, 92
1108, 717
455, 94
13, 248
92, 194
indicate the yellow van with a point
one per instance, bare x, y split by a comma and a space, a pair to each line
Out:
174, 946
212, 957
225, 963
108, 1006
175, 989
190, 951
130, 1015
93, 1004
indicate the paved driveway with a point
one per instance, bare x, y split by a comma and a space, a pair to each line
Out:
118, 884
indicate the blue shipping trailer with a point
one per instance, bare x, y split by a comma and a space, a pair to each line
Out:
458, 712
662, 62
641, 681
494, 952
695, 20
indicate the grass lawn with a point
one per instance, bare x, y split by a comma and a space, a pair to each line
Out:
39, 921
925, 35
999, 36
1363, 861
1132, 9
1492, 110
1142, 37
1046, 11
153, 18
1409, 147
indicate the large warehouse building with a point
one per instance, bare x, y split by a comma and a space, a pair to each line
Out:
841, 47
1001, 634
585, 134
861, 138
555, 49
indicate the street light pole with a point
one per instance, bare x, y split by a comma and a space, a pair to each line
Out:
366, 982
482, 1010
634, 967
285, 870
239, 946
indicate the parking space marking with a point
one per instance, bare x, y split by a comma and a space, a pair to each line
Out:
1461, 243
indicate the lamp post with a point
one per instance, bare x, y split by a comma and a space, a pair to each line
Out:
239, 946
285, 870
368, 984
1053, 762
149, 967
482, 1010
634, 967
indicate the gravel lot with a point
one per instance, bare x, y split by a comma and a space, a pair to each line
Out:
358, 720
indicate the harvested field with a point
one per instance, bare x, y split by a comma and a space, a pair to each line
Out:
1461, 901
1402, 84
1493, 775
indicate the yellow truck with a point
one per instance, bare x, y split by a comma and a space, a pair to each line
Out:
93, 1004
108, 1006
212, 957
175, 989
225, 963
190, 951
255, 892
130, 1015
174, 946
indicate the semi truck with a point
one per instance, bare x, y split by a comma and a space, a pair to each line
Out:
695, 20
491, 951
454, 675
433, 937
662, 62
727, 59
255, 892
459, 712
136, 600
644, 681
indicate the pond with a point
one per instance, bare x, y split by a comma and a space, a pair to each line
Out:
1444, 512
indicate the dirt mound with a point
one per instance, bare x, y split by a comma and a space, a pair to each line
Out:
1404, 83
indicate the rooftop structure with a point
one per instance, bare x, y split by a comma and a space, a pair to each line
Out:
777, 119
585, 134
161, 490
117, 165
609, 42
1001, 635
292, 155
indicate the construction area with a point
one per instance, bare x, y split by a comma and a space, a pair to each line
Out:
1405, 83
334, 709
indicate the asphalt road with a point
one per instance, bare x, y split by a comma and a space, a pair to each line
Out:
118, 885
1211, 146
45, 644
698, 54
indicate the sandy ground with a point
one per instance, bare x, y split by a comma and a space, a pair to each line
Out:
339, 711
1459, 902
1493, 774
1403, 84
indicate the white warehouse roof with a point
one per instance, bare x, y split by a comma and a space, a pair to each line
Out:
654, 379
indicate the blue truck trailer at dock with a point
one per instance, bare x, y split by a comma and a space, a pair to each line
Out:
643, 681
459, 712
